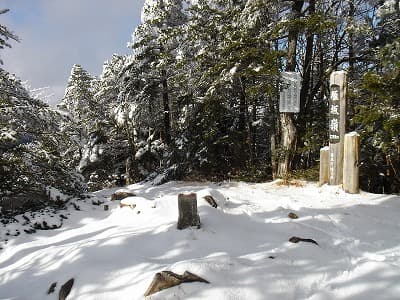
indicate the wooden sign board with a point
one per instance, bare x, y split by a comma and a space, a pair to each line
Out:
290, 94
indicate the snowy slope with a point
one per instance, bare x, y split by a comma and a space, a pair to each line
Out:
242, 247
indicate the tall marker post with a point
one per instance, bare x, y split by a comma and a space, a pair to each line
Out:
337, 125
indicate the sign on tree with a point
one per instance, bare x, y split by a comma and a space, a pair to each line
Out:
290, 94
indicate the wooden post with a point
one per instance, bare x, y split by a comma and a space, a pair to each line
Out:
324, 165
351, 170
188, 216
337, 125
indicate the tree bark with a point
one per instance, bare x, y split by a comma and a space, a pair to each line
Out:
288, 144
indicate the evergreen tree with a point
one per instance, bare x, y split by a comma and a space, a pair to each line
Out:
200, 91
378, 110
233, 70
30, 139
155, 47
79, 105
6, 34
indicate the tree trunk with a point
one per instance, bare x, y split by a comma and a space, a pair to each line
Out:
242, 106
243, 132
275, 127
167, 109
273, 156
288, 144
352, 10
131, 171
306, 96
288, 129
253, 147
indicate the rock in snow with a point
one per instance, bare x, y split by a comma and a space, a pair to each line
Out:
65, 289
168, 279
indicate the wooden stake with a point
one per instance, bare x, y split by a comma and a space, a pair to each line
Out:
351, 170
324, 165
188, 215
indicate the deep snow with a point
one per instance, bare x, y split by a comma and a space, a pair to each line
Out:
242, 247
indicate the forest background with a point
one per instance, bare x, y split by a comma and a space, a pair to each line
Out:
198, 99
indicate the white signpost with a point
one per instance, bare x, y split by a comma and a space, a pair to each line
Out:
290, 94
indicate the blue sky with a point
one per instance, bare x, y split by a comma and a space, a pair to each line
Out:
55, 34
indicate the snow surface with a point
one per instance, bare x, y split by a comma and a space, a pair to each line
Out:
242, 247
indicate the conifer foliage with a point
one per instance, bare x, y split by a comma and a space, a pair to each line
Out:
199, 94
30, 138
198, 97
31, 143
6, 34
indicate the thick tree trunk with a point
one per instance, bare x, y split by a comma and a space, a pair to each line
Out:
288, 144
288, 129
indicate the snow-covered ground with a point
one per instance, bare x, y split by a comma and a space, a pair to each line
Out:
242, 248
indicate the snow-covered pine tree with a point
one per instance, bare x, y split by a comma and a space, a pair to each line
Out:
109, 148
79, 108
30, 139
147, 94
377, 114
155, 44
78, 98
227, 69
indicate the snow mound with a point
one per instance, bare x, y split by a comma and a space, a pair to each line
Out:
242, 248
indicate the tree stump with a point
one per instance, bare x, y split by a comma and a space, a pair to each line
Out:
188, 215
